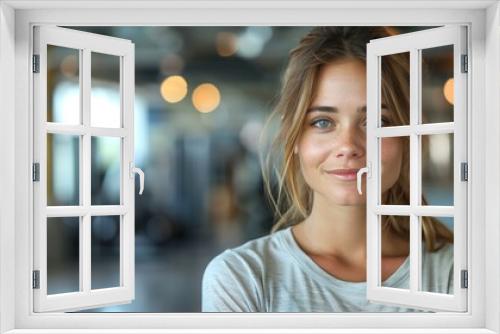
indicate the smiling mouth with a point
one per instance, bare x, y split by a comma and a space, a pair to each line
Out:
344, 174
345, 177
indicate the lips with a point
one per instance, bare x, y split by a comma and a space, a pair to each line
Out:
344, 174
343, 171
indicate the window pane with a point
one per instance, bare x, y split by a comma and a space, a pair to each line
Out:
437, 264
395, 261
437, 169
395, 170
105, 252
105, 102
395, 89
63, 253
106, 179
63, 86
437, 84
63, 170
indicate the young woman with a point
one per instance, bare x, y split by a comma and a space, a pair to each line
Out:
315, 258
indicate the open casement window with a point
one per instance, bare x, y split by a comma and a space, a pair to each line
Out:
83, 169
436, 145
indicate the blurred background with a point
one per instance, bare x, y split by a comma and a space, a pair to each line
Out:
202, 97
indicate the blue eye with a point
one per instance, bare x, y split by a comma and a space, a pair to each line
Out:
321, 123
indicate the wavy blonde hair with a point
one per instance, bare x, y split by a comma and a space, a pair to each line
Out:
293, 200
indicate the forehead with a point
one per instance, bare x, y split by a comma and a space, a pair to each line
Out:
340, 81
343, 66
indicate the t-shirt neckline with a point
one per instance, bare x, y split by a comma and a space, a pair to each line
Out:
288, 241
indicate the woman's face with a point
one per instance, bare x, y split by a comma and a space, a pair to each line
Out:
332, 146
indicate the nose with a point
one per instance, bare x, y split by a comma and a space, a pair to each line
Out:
350, 143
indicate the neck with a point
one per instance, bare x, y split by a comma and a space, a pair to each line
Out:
339, 231
335, 230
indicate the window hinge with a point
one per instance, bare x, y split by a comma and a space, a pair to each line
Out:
36, 63
36, 172
464, 171
36, 279
465, 66
465, 279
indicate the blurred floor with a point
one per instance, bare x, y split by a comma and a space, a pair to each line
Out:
168, 279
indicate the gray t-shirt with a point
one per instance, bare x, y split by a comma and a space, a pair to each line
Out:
273, 274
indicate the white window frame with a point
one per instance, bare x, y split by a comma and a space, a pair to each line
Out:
413, 43
16, 21
85, 44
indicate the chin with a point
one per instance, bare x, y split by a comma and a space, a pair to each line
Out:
350, 202
341, 197
348, 199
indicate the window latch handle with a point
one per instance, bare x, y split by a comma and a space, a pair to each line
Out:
360, 173
136, 170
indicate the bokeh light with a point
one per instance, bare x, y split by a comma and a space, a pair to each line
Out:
174, 88
439, 149
171, 64
448, 90
226, 44
252, 41
206, 97
69, 66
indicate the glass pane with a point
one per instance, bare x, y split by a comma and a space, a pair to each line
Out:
105, 103
395, 170
437, 84
105, 169
63, 254
395, 243
395, 89
63, 85
437, 169
437, 255
105, 252
63, 170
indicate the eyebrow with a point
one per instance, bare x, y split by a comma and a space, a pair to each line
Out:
335, 109
331, 109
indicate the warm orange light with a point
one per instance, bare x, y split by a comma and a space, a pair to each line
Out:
226, 44
174, 88
206, 98
448, 90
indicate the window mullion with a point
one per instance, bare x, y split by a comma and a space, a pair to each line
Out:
460, 155
40, 119
85, 231
417, 119
415, 241
124, 173
127, 228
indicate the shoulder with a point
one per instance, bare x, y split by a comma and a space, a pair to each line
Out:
233, 280
438, 269
260, 249
251, 257
440, 257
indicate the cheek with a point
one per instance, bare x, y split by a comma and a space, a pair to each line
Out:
312, 152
